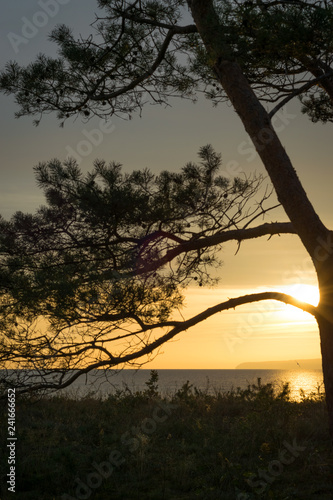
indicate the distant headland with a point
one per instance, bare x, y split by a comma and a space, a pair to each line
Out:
293, 364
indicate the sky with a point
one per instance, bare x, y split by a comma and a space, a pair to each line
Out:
167, 138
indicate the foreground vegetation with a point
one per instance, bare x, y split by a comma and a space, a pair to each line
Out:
240, 445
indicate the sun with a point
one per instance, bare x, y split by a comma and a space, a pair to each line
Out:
305, 293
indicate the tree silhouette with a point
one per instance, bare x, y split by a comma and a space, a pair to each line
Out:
104, 263
250, 53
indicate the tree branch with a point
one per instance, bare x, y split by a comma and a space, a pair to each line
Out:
181, 326
298, 91
157, 24
218, 238
230, 304
171, 33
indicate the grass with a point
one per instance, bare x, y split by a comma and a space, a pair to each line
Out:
240, 445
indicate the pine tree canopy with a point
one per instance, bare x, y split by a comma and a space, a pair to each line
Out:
146, 51
108, 257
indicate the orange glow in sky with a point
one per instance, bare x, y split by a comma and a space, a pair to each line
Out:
262, 331
166, 139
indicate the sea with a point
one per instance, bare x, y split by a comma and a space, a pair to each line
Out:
102, 383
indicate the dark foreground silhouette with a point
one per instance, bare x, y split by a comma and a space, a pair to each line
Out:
241, 445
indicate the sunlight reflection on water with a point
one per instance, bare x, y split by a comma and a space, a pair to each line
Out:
307, 381
212, 381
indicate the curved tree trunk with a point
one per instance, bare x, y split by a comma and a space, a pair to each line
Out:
257, 124
314, 235
325, 322
326, 344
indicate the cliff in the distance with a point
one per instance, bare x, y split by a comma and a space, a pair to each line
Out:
294, 364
